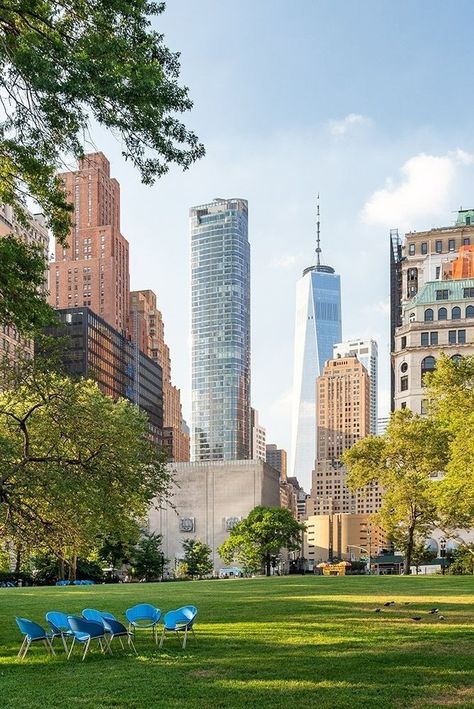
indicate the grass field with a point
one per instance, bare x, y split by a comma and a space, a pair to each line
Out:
305, 641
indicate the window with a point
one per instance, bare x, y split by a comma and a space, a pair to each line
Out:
427, 365
442, 294
411, 249
404, 367
433, 338
428, 315
456, 313
424, 407
442, 314
461, 337
404, 341
468, 292
452, 337
468, 221
424, 248
424, 339
456, 358
403, 405
470, 311
403, 383
412, 274
466, 241
451, 245
438, 271
439, 246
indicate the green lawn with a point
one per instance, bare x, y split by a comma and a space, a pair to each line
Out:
300, 641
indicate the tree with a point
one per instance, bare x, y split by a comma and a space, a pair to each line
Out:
402, 462
22, 301
65, 63
421, 554
451, 391
197, 558
462, 560
260, 536
148, 558
76, 466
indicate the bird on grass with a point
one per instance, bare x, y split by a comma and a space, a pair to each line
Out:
378, 610
433, 610
389, 603
416, 617
441, 617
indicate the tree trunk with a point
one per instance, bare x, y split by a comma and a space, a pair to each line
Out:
267, 565
18, 564
73, 567
61, 570
409, 550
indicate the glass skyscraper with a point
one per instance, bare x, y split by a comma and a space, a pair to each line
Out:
317, 330
220, 327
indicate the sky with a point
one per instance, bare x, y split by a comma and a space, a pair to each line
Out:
367, 103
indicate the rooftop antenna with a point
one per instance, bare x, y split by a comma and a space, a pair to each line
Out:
318, 247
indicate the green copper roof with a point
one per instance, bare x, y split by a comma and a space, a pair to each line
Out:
455, 291
465, 217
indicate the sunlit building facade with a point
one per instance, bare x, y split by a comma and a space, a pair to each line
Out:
220, 326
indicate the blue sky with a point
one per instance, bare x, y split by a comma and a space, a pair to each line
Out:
368, 103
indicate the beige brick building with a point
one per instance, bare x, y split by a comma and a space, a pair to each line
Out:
341, 536
146, 325
93, 269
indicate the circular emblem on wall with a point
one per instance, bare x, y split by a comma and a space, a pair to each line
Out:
186, 524
231, 522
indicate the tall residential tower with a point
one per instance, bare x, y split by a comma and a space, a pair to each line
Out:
220, 291
317, 330
366, 352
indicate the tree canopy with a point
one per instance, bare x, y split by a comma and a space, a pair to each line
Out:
403, 462
197, 558
148, 560
261, 535
76, 466
66, 63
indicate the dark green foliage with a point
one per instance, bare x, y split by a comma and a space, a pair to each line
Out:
147, 558
22, 302
197, 558
462, 560
64, 63
256, 539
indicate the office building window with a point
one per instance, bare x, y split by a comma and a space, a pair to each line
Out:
424, 339
403, 383
439, 246
428, 315
433, 338
468, 293
427, 365
424, 407
461, 337
456, 358
442, 314
411, 249
451, 245
424, 248
466, 241
470, 311
452, 337
404, 341
403, 405
456, 313
442, 294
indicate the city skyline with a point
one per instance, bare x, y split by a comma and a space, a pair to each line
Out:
369, 155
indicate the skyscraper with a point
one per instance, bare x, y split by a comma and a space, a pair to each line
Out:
92, 269
220, 326
367, 353
317, 330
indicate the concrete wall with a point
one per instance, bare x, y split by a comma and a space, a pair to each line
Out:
208, 499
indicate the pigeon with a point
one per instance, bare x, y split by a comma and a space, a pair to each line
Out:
407, 603
389, 603
378, 610
433, 610
416, 617
441, 617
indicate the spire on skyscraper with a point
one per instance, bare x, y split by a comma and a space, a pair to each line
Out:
318, 242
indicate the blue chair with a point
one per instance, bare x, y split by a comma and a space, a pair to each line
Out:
59, 626
84, 631
33, 633
189, 612
116, 629
177, 621
143, 616
93, 614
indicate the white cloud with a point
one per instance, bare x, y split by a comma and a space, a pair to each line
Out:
381, 306
423, 192
341, 127
284, 261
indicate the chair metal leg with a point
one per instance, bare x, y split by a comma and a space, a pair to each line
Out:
194, 634
22, 646
50, 646
63, 638
71, 648
185, 636
162, 637
86, 649
130, 642
121, 643
27, 647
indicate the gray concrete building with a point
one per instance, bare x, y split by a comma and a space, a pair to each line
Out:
208, 499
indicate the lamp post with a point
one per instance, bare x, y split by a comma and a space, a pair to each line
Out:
367, 551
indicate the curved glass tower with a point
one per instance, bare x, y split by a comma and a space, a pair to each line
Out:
220, 291
317, 330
